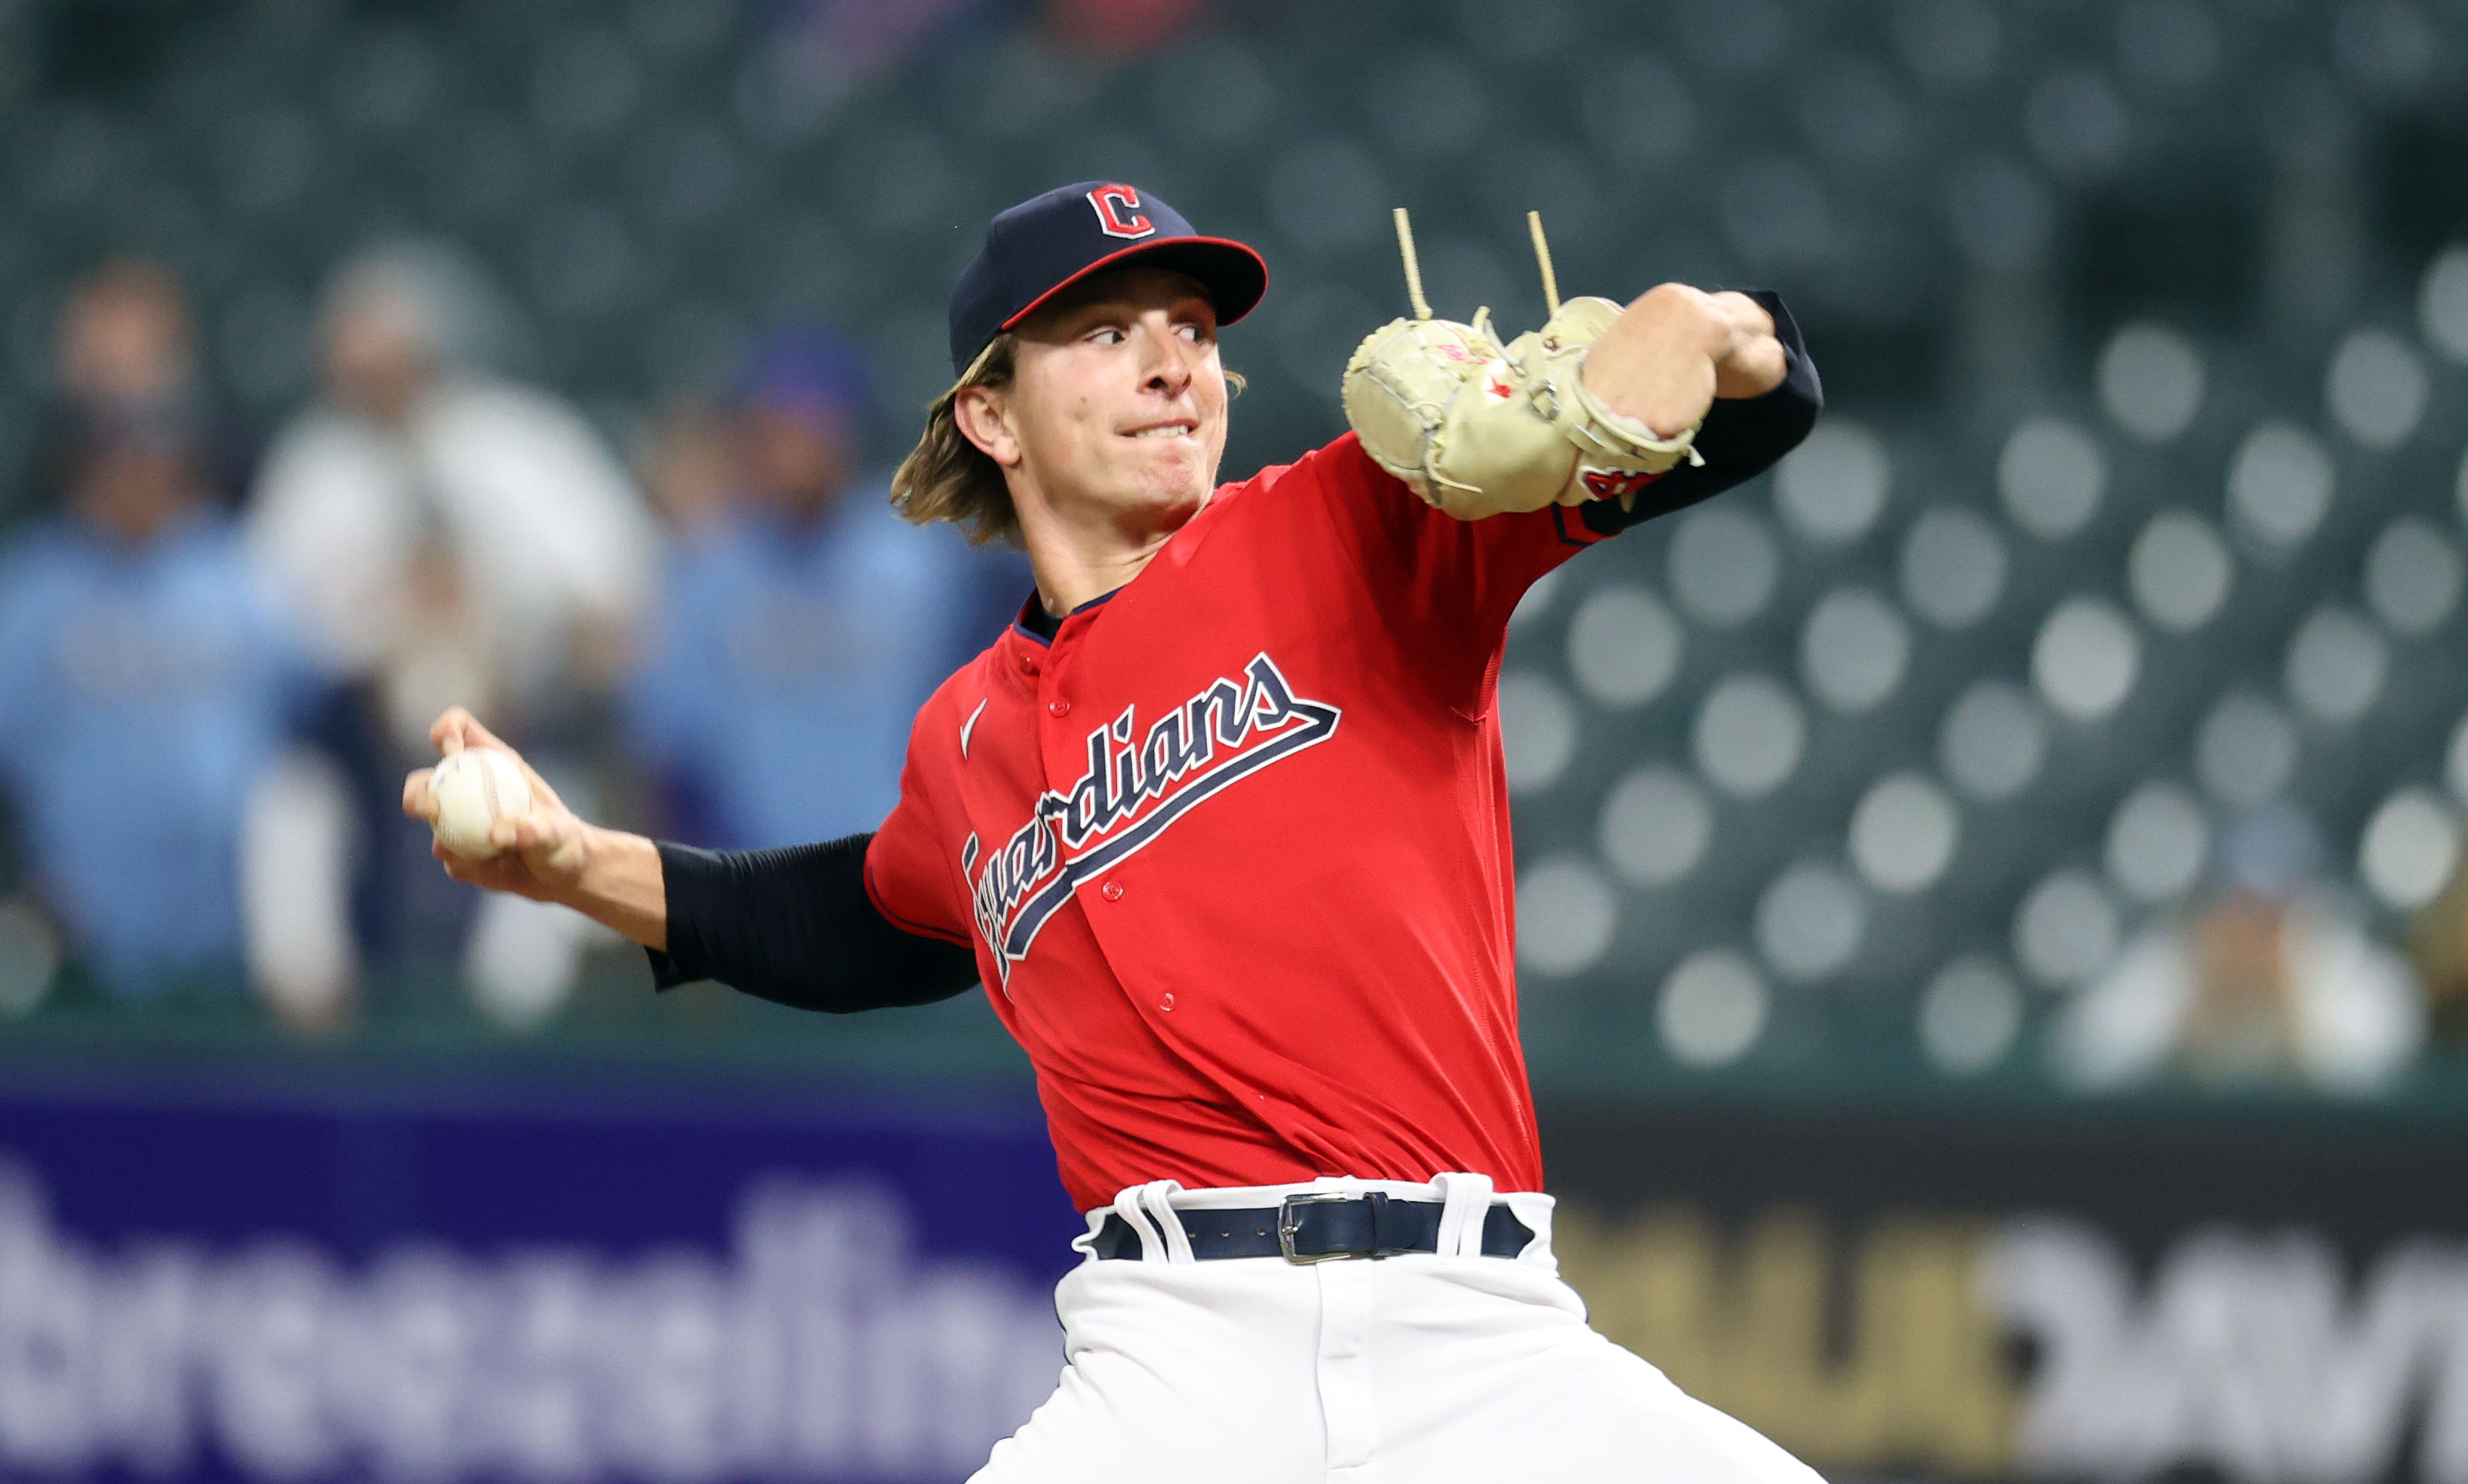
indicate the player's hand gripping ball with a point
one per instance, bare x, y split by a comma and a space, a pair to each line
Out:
483, 795
474, 788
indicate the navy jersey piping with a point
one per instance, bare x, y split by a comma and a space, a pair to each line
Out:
1035, 609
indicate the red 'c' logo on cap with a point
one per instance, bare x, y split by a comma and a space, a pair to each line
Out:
1118, 212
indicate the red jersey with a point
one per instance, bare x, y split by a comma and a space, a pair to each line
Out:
1233, 849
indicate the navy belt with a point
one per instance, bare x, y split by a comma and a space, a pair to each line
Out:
1313, 1228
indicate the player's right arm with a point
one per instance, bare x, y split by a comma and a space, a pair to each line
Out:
795, 925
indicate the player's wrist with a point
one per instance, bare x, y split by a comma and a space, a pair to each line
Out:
618, 882
589, 857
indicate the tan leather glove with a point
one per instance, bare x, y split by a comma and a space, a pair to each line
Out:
1477, 428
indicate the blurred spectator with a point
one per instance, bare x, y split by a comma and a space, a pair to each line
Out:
798, 635
453, 537
865, 38
839, 39
146, 684
448, 538
126, 341
2272, 981
2437, 943
688, 472
1125, 28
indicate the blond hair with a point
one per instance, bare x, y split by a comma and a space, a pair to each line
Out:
946, 477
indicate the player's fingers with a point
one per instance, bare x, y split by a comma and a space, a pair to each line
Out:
445, 733
418, 797
1754, 367
1751, 362
474, 735
456, 729
550, 844
1748, 317
531, 839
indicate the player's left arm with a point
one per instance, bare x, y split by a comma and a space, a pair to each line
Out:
1732, 364
1675, 349
1601, 403
1467, 479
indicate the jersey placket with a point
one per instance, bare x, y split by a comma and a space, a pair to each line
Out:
1061, 736
1067, 720
1063, 726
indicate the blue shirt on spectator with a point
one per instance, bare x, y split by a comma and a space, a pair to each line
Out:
141, 688
788, 661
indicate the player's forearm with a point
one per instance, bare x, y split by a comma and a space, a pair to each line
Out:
621, 885
1674, 348
1740, 439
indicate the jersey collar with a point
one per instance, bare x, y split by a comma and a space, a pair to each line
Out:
1039, 627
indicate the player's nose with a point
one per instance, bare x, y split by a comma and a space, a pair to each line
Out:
1170, 361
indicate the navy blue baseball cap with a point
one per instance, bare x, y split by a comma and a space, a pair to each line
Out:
1046, 244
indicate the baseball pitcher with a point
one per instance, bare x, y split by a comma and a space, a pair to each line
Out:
1221, 824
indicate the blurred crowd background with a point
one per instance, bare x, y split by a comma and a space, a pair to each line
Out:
2081, 712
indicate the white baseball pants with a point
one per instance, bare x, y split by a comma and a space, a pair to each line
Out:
1443, 1369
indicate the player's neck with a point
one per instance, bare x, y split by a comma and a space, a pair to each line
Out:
1079, 561
1069, 577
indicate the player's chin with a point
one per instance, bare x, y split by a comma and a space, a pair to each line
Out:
1177, 466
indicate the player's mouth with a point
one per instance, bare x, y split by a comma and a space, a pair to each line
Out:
1178, 427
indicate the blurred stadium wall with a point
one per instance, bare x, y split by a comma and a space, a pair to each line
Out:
1994, 944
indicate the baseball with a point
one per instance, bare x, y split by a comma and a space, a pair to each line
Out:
475, 788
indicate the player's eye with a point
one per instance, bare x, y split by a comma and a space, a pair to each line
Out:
1106, 334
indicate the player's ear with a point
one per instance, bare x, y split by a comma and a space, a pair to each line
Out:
983, 414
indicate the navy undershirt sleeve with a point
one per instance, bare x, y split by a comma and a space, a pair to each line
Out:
797, 926
1740, 439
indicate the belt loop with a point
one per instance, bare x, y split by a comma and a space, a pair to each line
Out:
1156, 1197
1131, 1206
1466, 1200
1086, 1244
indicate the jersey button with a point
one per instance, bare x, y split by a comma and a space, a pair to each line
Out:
1111, 891
1166, 1004
1060, 708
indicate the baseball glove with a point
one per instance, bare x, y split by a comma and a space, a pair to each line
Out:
1479, 428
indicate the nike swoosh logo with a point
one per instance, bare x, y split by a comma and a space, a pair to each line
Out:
970, 725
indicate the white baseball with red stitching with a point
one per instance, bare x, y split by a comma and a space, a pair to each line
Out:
475, 788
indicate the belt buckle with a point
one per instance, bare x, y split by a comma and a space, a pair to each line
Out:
1286, 1228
